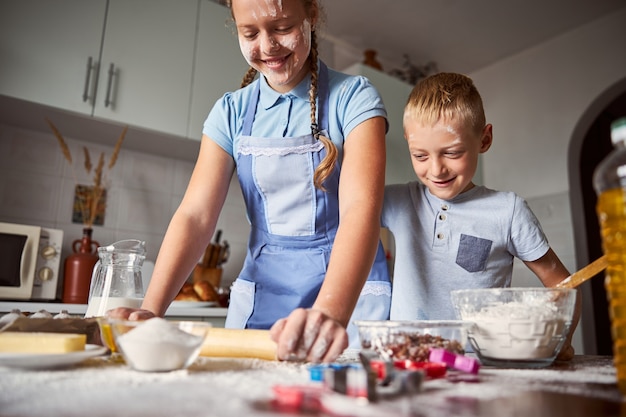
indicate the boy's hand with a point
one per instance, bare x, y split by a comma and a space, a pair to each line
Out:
566, 353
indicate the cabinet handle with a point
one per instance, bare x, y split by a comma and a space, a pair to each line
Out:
87, 78
107, 100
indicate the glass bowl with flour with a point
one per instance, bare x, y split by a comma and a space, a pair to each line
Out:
159, 345
516, 327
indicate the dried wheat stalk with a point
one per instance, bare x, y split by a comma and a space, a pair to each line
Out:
94, 202
87, 160
64, 148
85, 203
94, 194
97, 177
91, 196
118, 146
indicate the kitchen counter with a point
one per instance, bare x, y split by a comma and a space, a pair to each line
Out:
215, 315
243, 387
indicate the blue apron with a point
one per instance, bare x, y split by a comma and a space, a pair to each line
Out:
293, 226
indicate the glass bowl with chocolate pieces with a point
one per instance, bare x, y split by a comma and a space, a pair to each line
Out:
412, 340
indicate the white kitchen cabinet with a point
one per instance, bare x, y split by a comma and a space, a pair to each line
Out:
219, 65
149, 45
45, 47
141, 55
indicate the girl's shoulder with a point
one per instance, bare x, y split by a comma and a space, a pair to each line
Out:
355, 98
231, 106
236, 98
348, 82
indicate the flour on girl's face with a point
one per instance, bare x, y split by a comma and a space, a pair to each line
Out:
294, 45
255, 50
273, 7
275, 39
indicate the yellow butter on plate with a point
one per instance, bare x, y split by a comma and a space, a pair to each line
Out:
40, 342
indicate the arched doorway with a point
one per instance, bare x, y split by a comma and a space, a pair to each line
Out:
590, 143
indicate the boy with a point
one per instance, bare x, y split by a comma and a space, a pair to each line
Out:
449, 233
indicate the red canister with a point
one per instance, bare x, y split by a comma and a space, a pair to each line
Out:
78, 269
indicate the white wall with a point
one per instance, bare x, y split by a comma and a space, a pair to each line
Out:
534, 100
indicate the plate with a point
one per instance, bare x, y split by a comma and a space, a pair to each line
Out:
49, 360
192, 304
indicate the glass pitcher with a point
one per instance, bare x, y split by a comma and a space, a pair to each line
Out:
116, 280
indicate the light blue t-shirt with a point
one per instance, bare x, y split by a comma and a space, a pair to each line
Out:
443, 245
352, 100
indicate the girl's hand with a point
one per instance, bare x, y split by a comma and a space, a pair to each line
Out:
130, 313
309, 335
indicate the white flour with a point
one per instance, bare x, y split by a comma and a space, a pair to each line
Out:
518, 331
159, 345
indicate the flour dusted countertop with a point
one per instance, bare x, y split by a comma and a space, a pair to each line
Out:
219, 387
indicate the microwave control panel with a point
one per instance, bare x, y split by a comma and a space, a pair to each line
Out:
48, 264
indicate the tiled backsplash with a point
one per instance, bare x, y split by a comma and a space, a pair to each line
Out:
37, 187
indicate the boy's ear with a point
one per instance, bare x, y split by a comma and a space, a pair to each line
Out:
486, 138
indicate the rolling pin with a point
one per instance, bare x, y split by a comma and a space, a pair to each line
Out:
239, 343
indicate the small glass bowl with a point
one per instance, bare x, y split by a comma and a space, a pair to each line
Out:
159, 345
412, 340
106, 335
516, 327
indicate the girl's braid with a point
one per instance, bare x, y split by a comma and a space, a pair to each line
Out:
325, 168
249, 77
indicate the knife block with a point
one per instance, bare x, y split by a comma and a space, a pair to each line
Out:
212, 275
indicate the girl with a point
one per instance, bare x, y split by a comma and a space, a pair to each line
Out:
308, 146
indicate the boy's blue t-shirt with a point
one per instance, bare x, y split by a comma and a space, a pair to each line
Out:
467, 242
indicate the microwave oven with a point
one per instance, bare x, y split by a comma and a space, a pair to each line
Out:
30, 259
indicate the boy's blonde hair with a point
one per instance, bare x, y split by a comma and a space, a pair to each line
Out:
446, 96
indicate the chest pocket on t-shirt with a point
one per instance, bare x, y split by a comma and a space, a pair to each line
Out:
473, 253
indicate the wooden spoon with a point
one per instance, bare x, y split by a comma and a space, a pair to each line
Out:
584, 274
